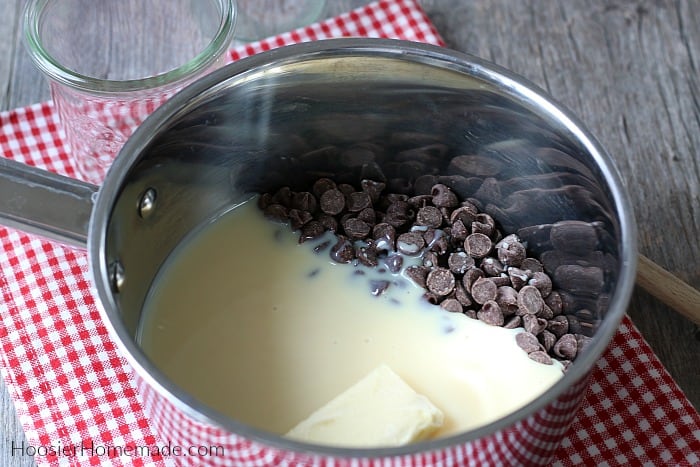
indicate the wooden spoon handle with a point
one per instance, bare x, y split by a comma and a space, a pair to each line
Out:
669, 289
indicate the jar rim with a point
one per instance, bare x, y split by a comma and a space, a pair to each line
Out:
59, 73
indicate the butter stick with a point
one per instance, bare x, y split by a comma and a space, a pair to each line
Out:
379, 410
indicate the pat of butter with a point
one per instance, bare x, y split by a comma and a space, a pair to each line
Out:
379, 410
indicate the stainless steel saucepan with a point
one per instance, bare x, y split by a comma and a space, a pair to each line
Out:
252, 126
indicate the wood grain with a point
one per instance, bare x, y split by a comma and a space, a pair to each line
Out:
668, 288
628, 69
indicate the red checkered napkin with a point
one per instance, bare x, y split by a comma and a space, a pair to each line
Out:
74, 393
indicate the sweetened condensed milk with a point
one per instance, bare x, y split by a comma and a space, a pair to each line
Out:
267, 330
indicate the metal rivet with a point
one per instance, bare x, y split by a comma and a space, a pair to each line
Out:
117, 276
147, 203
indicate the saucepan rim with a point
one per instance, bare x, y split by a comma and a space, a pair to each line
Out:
515, 86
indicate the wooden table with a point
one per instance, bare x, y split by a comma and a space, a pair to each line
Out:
629, 69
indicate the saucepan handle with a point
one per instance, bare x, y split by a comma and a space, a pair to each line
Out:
44, 203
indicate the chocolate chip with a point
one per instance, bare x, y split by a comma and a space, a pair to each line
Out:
474, 202
420, 201
542, 282
283, 196
471, 276
518, 277
345, 216
459, 232
430, 259
395, 198
451, 305
264, 201
378, 287
322, 185
304, 201
484, 223
356, 228
462, 295
507, 289
298, 218
483, 290
329, 222
566, 347
398, 213
276, 212
429, 216
394, 263
470, 314
527, 341
417, 274
367, 255
547, 339
507, 299
423, 184
372, 188
513, 322
332, 201
431, 298
477, 245
533, 324
540, 356
385, 236
529, 301
346, 189
342, 251
558, 325
480, 228
410, 243
510, 251
443, 196
465, 214
311, 230
546, 313
490, 313
357, 201
554, 302
436, 240
532, 265
368, 215
372, 171
501, 280
459, 262
440, 281
491, 266
445, 213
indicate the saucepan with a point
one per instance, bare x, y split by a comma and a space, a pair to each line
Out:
257, 124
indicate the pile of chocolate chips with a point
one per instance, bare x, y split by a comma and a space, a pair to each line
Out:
468, 265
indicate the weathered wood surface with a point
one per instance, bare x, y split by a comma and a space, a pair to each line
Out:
628, 69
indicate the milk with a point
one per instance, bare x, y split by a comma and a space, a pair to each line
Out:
267, 330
